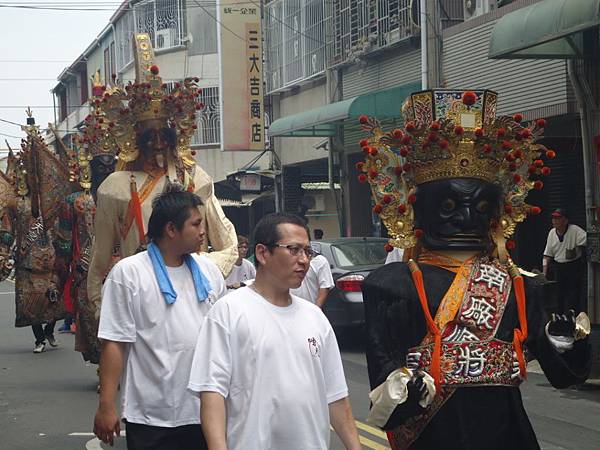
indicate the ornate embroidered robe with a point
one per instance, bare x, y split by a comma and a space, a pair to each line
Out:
476, 416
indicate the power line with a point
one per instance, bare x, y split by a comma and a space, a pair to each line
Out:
10, 136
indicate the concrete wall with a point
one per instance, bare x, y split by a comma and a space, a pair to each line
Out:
326, 220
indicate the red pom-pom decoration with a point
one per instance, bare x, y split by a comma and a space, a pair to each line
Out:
363, 142
433, 136
410, 126
538, 163
388, 248
359, 165
435, 126
550, 154
402, 208
412, 198
154, 69
366, 149
407, 166
362, 178
419, 233
406, 140
535, 210
546, 171
397, 133
512, 166
487, 148
363, 119
506, 145
469, 98
525, 133
518, 117
501, 132
387, 199
373, 151
538, 184
479, 133
510, 245
541, 123
404, 151
444, 143
517, 178
377, 208
373, 173
458, 130
532, 169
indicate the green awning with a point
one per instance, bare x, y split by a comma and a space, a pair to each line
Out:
550, 29
322, 121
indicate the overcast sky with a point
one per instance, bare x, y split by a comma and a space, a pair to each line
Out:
28, 40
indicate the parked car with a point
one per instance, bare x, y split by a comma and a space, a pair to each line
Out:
351, 260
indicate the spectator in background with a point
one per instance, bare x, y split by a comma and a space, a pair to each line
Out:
564, 256
243, 270
317, 283
318, 233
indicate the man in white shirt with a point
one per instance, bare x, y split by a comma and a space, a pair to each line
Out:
152, 306
563, 254
317, 283
274, 378
243, 270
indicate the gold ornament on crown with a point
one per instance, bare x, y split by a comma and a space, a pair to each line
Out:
116, 110
451, 134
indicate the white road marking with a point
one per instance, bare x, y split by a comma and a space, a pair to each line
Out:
7, 293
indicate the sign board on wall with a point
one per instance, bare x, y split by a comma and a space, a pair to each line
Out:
241, 76
250, 182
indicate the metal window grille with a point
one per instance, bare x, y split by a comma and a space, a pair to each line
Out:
209, 119
124, 29
361, 26
295, 41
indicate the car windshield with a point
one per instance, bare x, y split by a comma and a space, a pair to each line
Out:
362, 253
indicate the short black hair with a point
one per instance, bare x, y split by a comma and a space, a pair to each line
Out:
173, 205
318, 233
266, 232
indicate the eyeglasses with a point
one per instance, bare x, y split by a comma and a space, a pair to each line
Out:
296, 249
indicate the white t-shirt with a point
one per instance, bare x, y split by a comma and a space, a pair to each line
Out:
277, 367
573, 238
243, 272
317, 277
394, 256
161, 337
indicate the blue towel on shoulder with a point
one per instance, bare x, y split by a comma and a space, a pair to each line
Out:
201, 283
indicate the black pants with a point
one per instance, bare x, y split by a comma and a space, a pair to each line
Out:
147, 437
570, 277
41, 332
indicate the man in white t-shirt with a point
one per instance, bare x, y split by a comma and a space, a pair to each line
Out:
243, 270
565, 247
153, 304
267, 364
317, 283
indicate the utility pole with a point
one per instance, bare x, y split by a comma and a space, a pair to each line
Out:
431, 44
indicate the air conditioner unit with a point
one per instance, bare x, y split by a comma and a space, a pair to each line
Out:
315, 202
166, 38
474, 8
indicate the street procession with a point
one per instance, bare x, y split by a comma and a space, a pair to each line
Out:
300, 224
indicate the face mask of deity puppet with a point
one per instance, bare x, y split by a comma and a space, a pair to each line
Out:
455, 214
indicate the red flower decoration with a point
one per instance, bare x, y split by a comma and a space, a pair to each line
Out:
487, 148
377, 208
402, 208
550, 154
546, 171
404, 151
444, 143
362, 178
538, 184
410, 127
363, 142
510, 245
419, 233
154, 69
518, 117
388, 248
479, 133
412, 198
517, 178
469, 98
458, 130
538, 163
360, 165
535, 210
397, 133
387, 199
398, 170
541, 123
406, 140
363, 119
435, 126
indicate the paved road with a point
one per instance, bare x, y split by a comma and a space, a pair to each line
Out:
47, 401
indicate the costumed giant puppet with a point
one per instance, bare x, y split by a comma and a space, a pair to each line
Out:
152, 124
451, 330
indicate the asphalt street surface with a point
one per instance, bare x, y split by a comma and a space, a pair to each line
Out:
48, 400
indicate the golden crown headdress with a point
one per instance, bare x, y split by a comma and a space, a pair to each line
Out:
116, 110
451, 134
